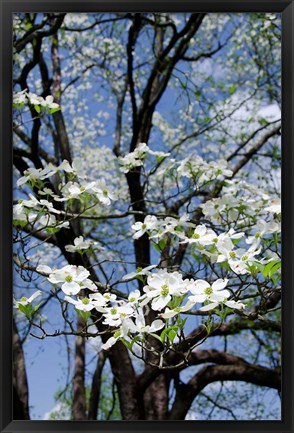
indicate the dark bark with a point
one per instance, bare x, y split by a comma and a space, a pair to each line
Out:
20, 382
250, 373
96, 387
79, 392
126, 381
156, 399
35, 34
61, 134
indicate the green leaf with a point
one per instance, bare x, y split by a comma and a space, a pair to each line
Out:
263, 121
126, 343
166, 331
18, 106
269, 266
134, 340
175, 302
36, 308
19, 223
22, 308
84, 314
159, 158
160, 245
171, 335
52, 230
26, 309
274, 269
181, 322
37, 108
156, 336
53, 110
255, 267
276, 279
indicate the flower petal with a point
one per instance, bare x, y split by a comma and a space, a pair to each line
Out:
235, 305
109, 343
209, 307
70, 300
71, 288
220, 296
160, 302
156, 325
84, 307
219, 284
43, 269
198, 287
168, 313
34, 296
197, 298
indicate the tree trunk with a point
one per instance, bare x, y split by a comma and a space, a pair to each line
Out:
125, 378
96, 387
20, 383
156, 399
79, 393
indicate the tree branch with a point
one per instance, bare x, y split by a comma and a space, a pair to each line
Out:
241, 371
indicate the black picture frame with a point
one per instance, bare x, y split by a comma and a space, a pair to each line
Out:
286, 8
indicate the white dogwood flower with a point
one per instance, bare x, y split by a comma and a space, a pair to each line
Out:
134, 297
140, 325
231, 304
100, 301
274, 206
168, 313
79, 244
242, 259
202, 291
134, 159
104, 196
82, 304
202, 235
149, 223
161, 286
33, 174
139, 271
48, 102
74, 190
26, 301
72, 277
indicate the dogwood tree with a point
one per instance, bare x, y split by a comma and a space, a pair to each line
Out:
147, 208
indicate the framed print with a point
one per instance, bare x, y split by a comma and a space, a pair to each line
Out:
146, 216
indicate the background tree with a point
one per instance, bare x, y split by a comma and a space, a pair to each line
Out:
151, 139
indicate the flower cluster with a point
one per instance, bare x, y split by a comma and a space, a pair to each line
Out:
157, 228
71, 278
166, 293
39, 103
218, 248
80, 244
241, 203
39, 213
71, 189
196, 168
136, 158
